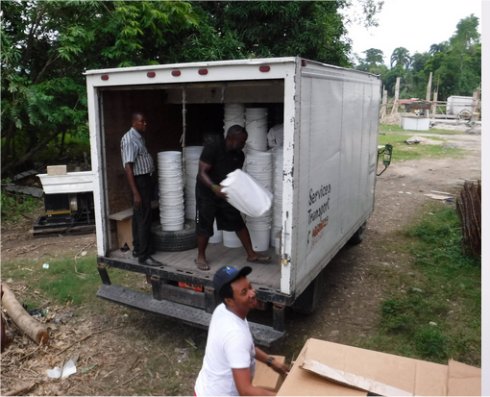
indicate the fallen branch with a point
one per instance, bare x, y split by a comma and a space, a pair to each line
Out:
35, 247
30, 326
22, 390
86, 337
131, 379
80, 254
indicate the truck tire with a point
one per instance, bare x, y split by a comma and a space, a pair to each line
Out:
180, 240
358, 236
308, 301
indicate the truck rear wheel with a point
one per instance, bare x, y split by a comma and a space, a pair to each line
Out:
307, 302
180, 240
358, 236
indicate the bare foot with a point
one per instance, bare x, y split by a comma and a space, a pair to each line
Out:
202, 264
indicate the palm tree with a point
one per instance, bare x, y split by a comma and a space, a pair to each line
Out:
400, 58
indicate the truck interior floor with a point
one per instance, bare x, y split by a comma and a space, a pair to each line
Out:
263, 275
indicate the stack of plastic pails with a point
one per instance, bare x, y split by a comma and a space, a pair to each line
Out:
171, 189
259, 166
277, 172
256, 125
234, 114
191, 165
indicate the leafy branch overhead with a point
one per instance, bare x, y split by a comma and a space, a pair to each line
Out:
47, 45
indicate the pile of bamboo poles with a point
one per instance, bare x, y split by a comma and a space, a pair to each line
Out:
469, 210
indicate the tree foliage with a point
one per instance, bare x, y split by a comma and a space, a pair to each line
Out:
47, 45
285, 28
373, 62
455, 64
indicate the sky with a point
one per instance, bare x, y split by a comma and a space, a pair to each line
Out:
413, 24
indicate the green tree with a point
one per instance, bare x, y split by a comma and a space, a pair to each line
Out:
400, 58
47, 45
373, 62
285, 28
45, 48
419, 75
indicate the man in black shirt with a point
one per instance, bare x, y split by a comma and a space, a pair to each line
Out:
217, 160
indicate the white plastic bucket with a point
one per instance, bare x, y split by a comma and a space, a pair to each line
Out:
260, 236
231, 240
256, 125
217, 236
234, 113
171, 190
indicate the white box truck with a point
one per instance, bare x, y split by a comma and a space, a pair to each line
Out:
329, 161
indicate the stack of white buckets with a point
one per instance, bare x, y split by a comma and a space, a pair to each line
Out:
259, 164
171, 187
191, 161
264, 166
234, 114
191, 166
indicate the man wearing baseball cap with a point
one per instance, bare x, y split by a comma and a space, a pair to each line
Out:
229, 359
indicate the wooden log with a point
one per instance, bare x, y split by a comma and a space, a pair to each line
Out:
5, 338
469, 210
30, 326
20, 391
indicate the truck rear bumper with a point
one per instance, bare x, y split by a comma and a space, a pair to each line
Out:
263, 334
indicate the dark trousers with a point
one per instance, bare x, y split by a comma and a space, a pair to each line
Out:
142, 218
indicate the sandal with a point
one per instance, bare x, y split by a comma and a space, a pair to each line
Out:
202, 265
260, 259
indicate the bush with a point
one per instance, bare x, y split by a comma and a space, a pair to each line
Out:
15, 206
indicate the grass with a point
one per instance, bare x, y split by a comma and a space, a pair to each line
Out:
433, 312
65, 280
397, 136
14, 206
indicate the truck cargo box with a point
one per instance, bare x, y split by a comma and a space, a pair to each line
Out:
326, 176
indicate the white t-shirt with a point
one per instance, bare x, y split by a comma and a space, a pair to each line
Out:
229, 345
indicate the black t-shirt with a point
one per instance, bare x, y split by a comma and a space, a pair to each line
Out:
222, 162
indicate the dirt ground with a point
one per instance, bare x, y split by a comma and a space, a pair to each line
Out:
125, 352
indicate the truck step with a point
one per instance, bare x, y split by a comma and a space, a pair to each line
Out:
263, 334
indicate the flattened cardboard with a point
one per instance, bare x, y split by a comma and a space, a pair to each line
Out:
410, 375
266, 377
463, 380
303, 383
350, 379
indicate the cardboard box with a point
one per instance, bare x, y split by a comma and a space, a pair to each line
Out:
266, 377
124, 227
325, 368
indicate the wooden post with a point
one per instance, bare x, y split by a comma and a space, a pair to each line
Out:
427, 95
434, 105
394, 109
382, 114
429, 87
475, 114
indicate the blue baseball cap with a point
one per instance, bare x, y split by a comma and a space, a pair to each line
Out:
228, 274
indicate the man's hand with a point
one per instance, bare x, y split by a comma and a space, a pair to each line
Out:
137, 199
218, 191
280, 368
